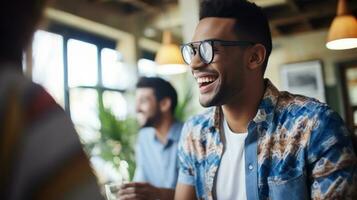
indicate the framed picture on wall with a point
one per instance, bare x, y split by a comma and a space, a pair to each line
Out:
304, 78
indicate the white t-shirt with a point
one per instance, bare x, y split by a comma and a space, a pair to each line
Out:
231, 173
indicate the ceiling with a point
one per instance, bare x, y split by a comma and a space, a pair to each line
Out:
136, 6
286, 16
296, 16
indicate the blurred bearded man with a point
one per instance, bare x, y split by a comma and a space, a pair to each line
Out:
156, 153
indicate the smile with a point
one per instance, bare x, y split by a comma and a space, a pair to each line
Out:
205, 81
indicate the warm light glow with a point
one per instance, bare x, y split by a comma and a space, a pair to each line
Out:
169, 54
341, 44
343, 30
342, 33
169, 58
171, 69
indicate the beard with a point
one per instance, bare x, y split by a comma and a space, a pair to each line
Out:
216, 98
151, 120
222, 94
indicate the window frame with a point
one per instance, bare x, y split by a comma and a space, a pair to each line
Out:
99, 41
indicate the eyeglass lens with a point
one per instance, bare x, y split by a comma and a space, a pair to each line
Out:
205, 52
188, 53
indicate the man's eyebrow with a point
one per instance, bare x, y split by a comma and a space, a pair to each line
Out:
208, 39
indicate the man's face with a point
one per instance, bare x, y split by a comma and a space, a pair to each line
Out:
147, 107
223, 78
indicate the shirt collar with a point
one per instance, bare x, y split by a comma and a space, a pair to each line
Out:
265, 109
174, 132
267, 104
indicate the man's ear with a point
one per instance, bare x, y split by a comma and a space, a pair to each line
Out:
165, 105
257, 56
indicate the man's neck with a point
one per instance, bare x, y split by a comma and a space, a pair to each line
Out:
163, 128
244, 108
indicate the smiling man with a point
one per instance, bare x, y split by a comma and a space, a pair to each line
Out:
156, 153
255, 142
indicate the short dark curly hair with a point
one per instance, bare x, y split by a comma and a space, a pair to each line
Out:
162, 89
251, 22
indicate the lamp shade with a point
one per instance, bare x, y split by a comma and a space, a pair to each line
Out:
342, 33
169, 58
169, 54
343, 30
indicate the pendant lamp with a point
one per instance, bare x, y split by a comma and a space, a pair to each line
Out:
168, 59
343, 30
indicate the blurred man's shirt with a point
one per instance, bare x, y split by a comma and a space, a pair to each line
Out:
40, 153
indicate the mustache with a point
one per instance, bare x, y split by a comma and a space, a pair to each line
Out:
205, 70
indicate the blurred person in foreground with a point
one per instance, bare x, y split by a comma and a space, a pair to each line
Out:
40, 154
255, 142
156, 151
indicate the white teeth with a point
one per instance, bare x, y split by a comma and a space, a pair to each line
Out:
205, 80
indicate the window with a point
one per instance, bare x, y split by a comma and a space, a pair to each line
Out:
147, 65
81, 70
48, 69
77, 69
82, 63
116, 73
84, 113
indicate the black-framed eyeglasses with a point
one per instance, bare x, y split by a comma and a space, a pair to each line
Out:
206, 49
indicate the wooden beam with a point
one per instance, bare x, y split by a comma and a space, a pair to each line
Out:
305, 21
141, 5
313, 11
270, 3
293, 6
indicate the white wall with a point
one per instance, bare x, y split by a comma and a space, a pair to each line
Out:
302, 47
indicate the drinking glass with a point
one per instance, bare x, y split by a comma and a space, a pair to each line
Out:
112, 190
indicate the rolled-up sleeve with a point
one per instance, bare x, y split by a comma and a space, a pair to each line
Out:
332, 161
186, 170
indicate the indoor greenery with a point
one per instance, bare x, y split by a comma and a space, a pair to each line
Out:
117, 140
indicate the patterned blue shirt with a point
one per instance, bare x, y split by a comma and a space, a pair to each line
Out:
296, 147
157, 163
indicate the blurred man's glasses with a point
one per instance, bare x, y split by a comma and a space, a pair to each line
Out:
206, 49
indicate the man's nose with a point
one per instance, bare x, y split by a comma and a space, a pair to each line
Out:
196, 62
